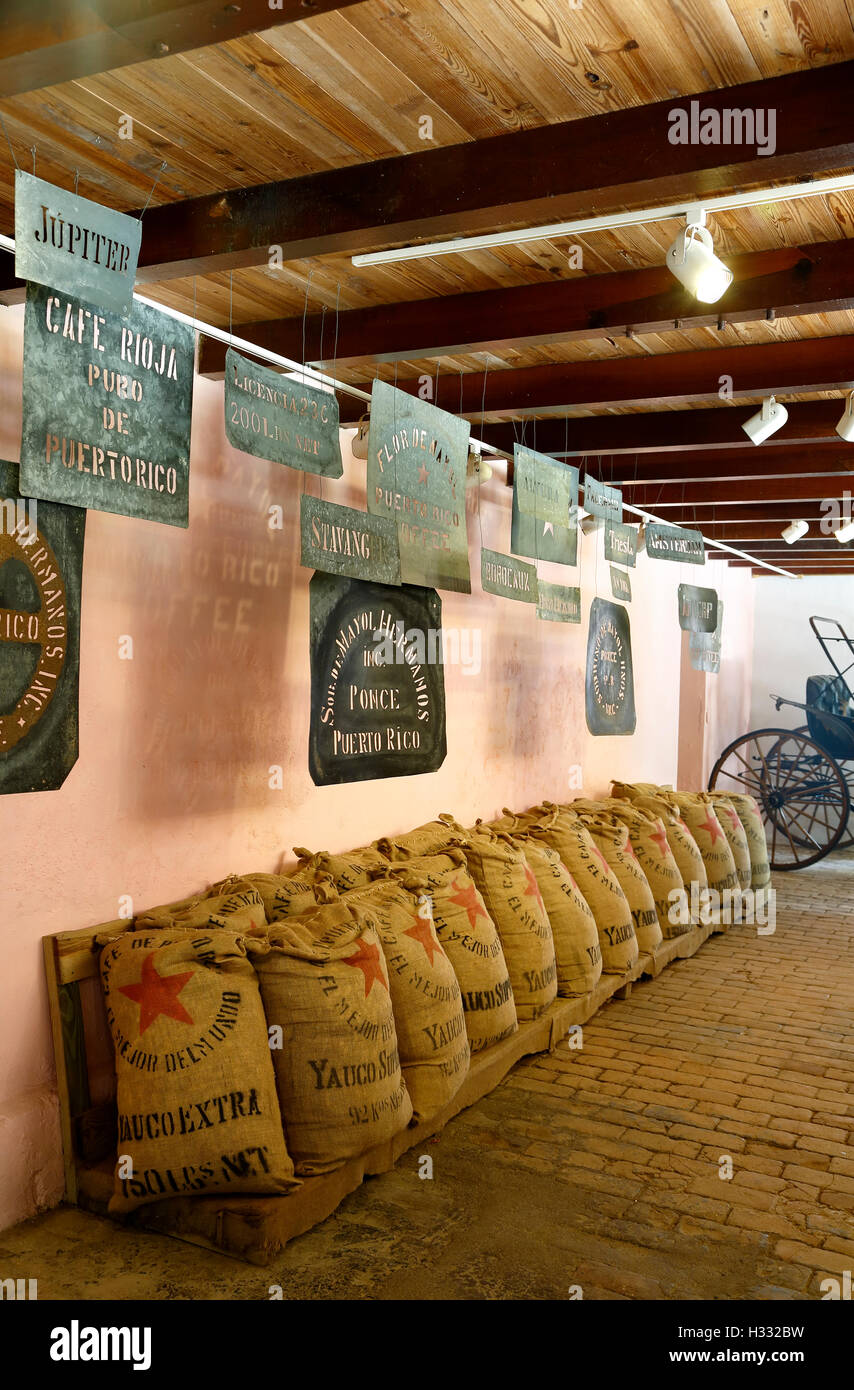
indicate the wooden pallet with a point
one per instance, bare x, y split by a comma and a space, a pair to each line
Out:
256, 1229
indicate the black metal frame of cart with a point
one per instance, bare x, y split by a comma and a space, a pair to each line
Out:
802, 779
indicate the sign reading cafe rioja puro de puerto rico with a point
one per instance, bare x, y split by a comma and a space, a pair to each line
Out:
281, 418
107, 405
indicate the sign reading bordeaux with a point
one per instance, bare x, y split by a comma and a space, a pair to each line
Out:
107, 406
417, 457
377, 682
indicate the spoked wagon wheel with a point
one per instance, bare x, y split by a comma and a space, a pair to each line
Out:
847, 766
801, 792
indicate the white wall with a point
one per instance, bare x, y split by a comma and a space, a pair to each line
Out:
785, 650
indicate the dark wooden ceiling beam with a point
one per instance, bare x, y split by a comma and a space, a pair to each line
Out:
668, 378
828, 460
726, 492
810, 279
61, 40
746, 533
671, 431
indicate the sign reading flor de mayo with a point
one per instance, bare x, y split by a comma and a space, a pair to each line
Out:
107, 405
80, 247
621, 543
280, 418
508, 577
342, 540
377, 681
698, 608
557, 603
609, 685
674, 543
417, 457
601, 500
41, 564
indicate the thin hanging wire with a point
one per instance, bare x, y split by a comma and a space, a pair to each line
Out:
76, 181
151, 190
322, 324
33, 153
9, 142
482, 424
304, 316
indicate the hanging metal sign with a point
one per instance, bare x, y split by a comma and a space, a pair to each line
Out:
107, 406
709, 641
706, 661
280, 418
609, 684
557, 603
674, 543
41, 564
621, 543
601, 500
698, 608
542, 486
81, 248
417, 456
621, 585
342, 540
377, 682
508, 577
544, 540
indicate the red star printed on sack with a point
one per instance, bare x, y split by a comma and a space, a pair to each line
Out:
630, 849
569, 876
600, 856
681, 822
712, 824
659, 836
421, 932
157, 994
367, 959
533, 889
470, 899
733, 818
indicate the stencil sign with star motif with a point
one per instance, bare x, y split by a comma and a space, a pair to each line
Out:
417, 456
41, 564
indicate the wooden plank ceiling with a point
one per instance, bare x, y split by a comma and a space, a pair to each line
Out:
309, 135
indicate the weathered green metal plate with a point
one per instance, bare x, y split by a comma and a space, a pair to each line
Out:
609, 684
542, 486
706, 661
377, 681
675, 543
621, 543
542, 540
709, 641
276, 417
81, 248
621, 585
698, 608
417, 456
107, 408
508, 577
601, 500
41, 565
342, 540
558, 603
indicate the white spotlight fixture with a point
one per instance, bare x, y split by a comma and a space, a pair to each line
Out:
794, 531
589, 524
359, 442
845, 533
766, 421
477, 469
692, 260
641, 537
845, 428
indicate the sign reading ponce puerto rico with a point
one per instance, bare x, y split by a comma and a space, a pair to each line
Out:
107, 405
609, 685
342, 540
698, 608
557, 603
377, 681
79, 247
417, 456
508, 577
280, 418
41, 564
675, 543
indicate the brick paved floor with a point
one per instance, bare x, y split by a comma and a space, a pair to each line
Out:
599, 1168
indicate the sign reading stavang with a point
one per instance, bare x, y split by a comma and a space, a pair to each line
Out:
508, 577
342, 540
377, 683
417, 457
107, 407
280, 418
82, 248
557, 603
542, 486
609, 685
546, 540
41, 564
674, 543
601, 500
698, 608
621, 585
621, 543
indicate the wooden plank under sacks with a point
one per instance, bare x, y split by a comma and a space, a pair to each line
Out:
256, 1229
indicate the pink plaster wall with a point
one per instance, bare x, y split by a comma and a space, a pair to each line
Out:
172, 786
